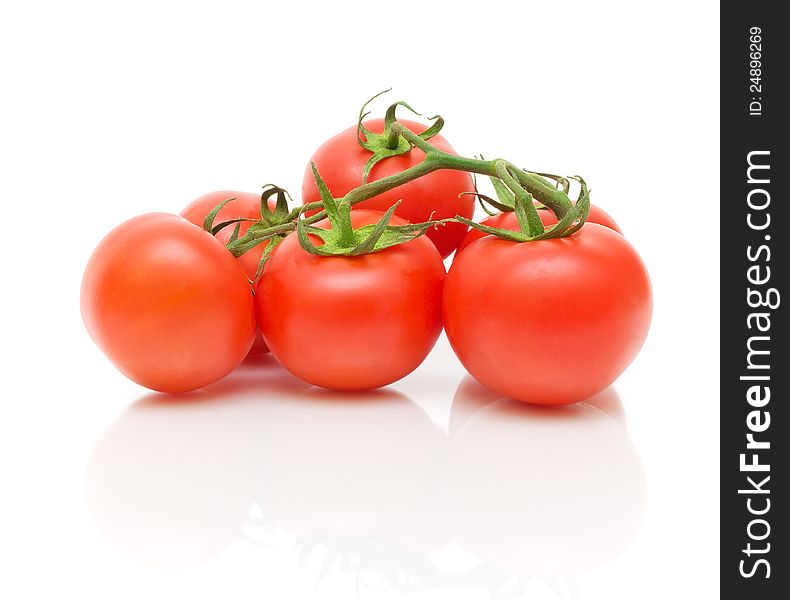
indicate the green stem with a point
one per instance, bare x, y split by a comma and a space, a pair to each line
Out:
525, 210
434, 160
240, 245
549, 196
347, 237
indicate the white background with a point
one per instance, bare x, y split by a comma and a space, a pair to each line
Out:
113, 109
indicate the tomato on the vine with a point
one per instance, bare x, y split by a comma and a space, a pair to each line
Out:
552, 321
167, 303
341, 162
351, 322
509, 221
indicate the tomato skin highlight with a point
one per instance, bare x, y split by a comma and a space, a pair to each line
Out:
509, 221
548, 322
351, 323
167, 303
341, 161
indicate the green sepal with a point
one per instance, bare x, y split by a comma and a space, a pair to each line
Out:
372, 236
217, 228
505, 234
259, 231
337, 211
485, 201
248, 241
235, 235
527, 215
366, 239
389, 143
268, 217
208, 222
482, 199
267, 252
281, 214
576, 217
560, 182
569, 224
506, 199
505, 196
528, 218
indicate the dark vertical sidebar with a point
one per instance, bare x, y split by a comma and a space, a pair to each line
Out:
755, 433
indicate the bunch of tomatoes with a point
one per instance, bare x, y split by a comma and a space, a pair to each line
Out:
545, 301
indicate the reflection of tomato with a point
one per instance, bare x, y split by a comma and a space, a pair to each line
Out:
246, 205
341, 161
351, 322
471, 396
509, 221
172, 482
167, 303
548, 322
358, 469
543, 492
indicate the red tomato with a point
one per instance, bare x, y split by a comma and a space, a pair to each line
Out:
341, 161
246, 205
509, 221
548, 322
169, 306
351, 323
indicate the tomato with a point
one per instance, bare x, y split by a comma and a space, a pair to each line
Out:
351, 322
246, 205
509, 221
548, 322
341, 161
167, 303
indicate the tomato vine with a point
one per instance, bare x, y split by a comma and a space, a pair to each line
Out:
518, 189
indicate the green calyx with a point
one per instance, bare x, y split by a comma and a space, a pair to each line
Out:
390, 142
512, 197
342, 239
269, 218
272, 225
512, 186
